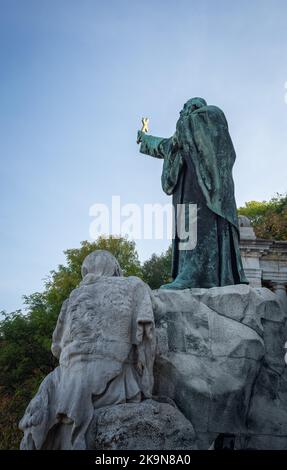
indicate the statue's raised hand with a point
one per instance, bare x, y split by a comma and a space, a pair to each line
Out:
143, 130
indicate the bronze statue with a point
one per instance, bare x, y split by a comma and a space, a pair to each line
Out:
197, 169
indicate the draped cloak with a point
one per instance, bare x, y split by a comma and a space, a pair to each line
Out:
197, 169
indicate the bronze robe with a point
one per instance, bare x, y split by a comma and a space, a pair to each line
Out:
197, 169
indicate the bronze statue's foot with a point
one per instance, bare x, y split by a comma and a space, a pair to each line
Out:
179, 284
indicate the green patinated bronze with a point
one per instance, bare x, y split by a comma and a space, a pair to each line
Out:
197, 169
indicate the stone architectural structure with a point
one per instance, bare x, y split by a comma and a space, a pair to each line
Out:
264, 261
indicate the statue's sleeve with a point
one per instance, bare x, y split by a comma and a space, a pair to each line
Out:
143, 336
154, 146
143, 319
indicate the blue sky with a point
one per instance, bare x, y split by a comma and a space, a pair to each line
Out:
77, 76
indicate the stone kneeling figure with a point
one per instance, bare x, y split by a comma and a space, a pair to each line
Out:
105, 343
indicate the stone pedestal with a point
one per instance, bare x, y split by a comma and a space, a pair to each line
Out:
220, 358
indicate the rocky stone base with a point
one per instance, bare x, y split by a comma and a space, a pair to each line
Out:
146, 425
221, 359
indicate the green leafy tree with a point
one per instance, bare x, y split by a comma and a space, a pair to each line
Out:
269, 218
156, 270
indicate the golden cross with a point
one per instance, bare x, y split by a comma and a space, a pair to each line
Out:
145, 121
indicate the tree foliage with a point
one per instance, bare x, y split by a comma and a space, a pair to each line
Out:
269, 218
156, 270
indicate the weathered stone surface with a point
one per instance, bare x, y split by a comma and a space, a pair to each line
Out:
145, 425
240, 302
267, 416
213, 346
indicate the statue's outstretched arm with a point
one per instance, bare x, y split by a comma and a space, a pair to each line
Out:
154, 146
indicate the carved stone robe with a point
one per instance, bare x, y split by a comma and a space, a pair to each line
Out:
105, 343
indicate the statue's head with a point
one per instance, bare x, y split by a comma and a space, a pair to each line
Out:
101, 263
192, 105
